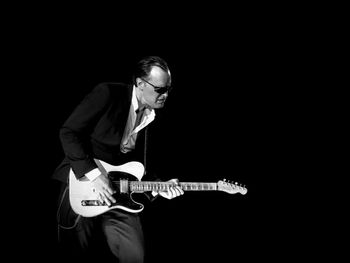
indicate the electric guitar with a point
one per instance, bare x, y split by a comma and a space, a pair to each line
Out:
126, 180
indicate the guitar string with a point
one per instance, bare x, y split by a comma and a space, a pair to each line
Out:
164, 185
117, 182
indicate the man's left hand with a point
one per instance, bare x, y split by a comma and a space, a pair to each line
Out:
173, 191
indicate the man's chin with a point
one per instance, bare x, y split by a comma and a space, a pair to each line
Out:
159, 105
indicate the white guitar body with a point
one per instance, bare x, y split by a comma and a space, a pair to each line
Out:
81, 191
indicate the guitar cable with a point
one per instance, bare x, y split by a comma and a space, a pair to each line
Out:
58, 216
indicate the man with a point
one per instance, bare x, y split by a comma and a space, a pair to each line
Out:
109, 126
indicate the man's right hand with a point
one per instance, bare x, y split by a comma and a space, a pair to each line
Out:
103, 188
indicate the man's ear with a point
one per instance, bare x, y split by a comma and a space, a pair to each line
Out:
139, 83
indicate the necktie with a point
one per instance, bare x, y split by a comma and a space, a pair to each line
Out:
139, 114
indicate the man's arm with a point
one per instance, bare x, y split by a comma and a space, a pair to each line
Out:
75, 132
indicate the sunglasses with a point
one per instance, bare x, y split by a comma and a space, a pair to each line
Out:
159, 90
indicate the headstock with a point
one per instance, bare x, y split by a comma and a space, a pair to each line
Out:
231, 187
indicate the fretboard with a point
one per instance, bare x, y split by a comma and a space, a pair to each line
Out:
162, 186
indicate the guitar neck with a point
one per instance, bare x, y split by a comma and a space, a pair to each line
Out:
162, 186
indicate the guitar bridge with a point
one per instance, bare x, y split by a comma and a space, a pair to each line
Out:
93, 203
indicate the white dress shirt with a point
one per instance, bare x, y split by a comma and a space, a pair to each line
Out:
130, 131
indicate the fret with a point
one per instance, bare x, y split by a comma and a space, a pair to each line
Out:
163, 186
198, 186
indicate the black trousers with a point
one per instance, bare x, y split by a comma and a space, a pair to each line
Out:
115, 236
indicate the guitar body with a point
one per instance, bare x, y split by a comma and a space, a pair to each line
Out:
84, 201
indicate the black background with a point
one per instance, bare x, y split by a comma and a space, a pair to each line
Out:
236, 112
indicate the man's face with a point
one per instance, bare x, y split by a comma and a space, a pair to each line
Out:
158, 80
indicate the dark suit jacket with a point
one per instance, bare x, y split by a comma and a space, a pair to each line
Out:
95, 130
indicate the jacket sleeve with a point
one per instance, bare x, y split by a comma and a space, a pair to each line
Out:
75, 132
